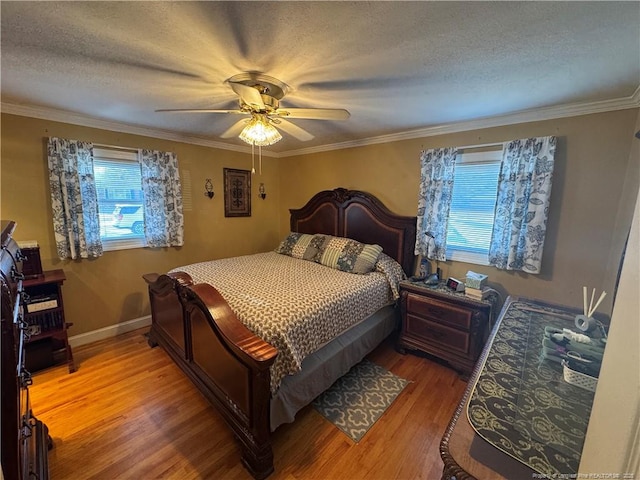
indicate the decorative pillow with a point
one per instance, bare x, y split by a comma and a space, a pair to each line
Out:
299, 245
393, 271
348, 255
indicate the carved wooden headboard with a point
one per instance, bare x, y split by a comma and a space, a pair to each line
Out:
362, 217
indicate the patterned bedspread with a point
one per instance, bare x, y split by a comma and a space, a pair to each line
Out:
295, 305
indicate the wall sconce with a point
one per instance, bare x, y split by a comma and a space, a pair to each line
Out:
208, 188
261, 191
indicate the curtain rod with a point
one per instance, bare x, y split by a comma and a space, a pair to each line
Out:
480, 145
468, 147
115, 147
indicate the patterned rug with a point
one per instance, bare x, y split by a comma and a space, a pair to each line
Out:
358, 399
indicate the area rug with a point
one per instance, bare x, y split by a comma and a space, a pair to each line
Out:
358, 399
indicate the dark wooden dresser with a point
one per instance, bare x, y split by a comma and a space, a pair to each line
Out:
24, 440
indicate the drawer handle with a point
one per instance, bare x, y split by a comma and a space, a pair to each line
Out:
16, 275
25, 378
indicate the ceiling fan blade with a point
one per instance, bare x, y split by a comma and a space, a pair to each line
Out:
235, 129
294, 130
198, 110
249, 95
314, 113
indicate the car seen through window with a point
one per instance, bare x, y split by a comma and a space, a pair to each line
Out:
129, 217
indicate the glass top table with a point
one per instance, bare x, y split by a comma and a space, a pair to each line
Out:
520, 402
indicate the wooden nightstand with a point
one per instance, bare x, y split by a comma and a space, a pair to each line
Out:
443, 323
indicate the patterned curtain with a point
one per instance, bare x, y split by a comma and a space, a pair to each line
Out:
74, 201
522, 206
436, 186
163, 219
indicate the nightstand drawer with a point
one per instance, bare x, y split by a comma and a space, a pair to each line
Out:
437, 333
440, 312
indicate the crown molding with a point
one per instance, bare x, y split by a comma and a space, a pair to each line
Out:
533, 115
635, 98
63, 116
524, 116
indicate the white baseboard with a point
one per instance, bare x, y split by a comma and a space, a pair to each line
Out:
110, 331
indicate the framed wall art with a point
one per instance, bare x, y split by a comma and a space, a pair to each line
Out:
237, 193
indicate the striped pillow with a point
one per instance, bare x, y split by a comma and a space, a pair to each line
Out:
299, 245
348, 255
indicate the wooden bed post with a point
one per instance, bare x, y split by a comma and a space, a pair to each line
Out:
166, 309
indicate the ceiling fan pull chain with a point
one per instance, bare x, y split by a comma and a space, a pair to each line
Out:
260, 156
253, 159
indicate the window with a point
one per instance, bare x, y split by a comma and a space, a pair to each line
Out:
475, 187
120, 202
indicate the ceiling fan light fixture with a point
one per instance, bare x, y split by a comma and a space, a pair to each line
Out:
260, 132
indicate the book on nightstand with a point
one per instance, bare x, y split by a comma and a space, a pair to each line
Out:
477, 293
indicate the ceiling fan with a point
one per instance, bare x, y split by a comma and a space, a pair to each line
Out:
259, 98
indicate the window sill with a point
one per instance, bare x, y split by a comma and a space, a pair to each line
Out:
123, 244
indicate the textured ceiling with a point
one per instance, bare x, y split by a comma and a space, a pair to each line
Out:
396, 66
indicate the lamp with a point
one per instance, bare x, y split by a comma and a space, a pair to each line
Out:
260, 132
262, 193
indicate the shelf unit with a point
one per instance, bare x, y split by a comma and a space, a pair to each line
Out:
44, 312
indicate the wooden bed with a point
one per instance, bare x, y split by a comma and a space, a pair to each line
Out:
232, 372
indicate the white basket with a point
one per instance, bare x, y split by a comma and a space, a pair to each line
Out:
578, 379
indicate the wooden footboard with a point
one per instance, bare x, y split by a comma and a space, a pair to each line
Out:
225, 360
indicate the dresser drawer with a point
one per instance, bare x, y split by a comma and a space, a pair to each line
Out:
438, 311
437, 334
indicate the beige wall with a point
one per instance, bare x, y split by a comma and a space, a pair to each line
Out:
109, 289
616, 406
589, 219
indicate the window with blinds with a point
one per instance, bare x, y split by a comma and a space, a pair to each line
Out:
120, 203
475, 187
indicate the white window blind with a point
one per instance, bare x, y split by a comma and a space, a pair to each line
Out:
475, 187
120, 202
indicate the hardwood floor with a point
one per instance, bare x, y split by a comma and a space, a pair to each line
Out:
128, 412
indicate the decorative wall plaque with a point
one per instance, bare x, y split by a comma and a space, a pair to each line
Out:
237, 193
